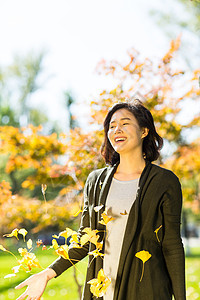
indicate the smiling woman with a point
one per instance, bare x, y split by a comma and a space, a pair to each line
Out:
132, 209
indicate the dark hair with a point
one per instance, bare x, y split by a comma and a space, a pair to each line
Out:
152, 143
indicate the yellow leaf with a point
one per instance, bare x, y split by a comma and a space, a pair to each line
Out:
106, 218
13, 233
63, 251
44, 187
74, 238
96, 253
55, 236
23, 232
29, 244
67, 233
99, 285
29, 260
99, 245
39, 242
124, 213
54, 244
90, 236
144, 256
22, 251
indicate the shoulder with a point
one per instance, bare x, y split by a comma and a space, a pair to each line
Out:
96, 174
165, 175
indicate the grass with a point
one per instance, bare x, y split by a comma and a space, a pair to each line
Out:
64, 286
193, 275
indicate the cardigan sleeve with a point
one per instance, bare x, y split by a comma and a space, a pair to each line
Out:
75, 254
172, 244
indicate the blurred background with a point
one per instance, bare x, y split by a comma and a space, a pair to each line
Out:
62, 65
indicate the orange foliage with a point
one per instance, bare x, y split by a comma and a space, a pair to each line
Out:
186, 164
161, 83
28, 148
19, 211
164, 87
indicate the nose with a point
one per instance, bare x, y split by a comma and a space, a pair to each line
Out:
118, 129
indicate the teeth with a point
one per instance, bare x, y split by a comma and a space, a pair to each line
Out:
120, 139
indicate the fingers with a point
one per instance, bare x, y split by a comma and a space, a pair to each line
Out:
23, 296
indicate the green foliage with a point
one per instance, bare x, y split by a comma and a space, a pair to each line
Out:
18, 81
65, 287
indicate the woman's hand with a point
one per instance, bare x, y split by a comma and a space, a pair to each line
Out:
36, 284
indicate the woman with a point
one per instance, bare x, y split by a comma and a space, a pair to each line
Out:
143, 249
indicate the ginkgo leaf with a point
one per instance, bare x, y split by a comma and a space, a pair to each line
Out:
156, 232
39, 242
89, 236
22, 251
124, 213
29, 260
23, 232
55, 236
54, 244
106, 218
96, 253
13, 233
2, 248
99, 245
99, 285
144, 256
29, 244
98, 208
44, 187
74, 238
63, 251
67, 233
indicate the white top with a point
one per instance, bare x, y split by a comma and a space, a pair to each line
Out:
121, 197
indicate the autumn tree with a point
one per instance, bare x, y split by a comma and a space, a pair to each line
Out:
162, 85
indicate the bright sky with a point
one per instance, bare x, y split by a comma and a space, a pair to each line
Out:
76, 36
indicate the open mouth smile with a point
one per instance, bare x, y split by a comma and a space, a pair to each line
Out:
119, 139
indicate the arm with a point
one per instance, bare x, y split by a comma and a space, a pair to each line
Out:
37, 282
172, 244
75, 254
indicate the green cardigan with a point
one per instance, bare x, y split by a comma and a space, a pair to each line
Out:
153, 225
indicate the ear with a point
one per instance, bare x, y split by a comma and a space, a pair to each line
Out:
145, 132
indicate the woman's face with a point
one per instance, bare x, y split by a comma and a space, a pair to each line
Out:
125, 134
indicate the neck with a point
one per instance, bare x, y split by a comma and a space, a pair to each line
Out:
130, 167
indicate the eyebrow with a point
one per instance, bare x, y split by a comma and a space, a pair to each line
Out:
121, 120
